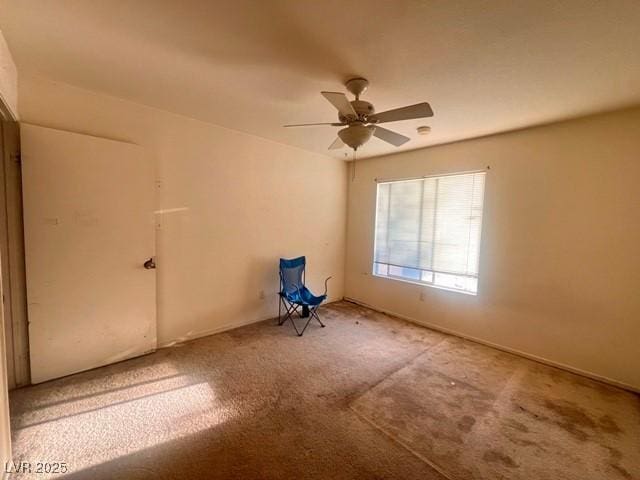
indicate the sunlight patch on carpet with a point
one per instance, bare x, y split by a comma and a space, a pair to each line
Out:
90, 430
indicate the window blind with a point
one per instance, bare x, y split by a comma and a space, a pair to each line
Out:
431, 225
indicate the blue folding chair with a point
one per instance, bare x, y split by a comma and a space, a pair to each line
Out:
294, 294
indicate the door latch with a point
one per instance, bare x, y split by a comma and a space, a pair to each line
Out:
149, 264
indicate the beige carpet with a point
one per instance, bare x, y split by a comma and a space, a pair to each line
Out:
368, 397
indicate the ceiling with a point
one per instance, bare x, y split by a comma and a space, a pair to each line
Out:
485, 66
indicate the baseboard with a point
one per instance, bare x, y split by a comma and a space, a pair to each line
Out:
212, 331
222, 328
535, 358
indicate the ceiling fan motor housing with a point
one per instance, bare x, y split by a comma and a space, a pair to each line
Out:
356, 134
362, 108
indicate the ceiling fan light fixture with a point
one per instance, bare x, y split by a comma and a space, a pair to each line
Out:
356, 135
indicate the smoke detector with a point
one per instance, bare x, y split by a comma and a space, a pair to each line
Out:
423, 130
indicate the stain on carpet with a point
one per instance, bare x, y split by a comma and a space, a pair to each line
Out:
492, 456
476, 413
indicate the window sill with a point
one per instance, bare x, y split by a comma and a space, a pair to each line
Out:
424, 284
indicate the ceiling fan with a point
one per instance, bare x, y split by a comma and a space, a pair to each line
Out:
361, 121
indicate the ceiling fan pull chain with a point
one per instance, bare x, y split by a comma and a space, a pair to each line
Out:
353, 170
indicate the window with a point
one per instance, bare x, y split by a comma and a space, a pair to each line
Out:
428, 230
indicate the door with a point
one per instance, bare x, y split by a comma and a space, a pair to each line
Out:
5, 427
12, 255
89, 228
5, 424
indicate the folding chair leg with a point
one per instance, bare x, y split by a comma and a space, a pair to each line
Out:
300, 332
314, 314
287, 312
290, 315
290, 309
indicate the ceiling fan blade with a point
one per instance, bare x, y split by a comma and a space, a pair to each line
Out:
419, 110
337, 143
390, 137
341, 102
315, 124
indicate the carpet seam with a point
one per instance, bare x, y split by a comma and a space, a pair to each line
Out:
431, 464
425, 460
404, 365
503, 348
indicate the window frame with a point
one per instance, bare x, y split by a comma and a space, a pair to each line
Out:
433, 273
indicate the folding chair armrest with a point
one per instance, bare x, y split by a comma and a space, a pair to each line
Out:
325, 284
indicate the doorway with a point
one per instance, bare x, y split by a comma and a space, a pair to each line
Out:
12, 256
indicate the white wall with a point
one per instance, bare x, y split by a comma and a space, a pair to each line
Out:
559, 266
234, 204
8, 78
